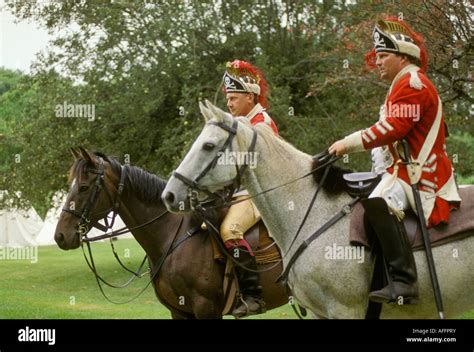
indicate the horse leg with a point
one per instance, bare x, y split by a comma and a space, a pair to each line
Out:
175, 315
205, 308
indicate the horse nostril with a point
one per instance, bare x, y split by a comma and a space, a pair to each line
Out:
169, 198
59, 237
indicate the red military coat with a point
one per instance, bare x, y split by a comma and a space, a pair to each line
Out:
259, 115
409, 113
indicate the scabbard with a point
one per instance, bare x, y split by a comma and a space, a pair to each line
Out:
425, 237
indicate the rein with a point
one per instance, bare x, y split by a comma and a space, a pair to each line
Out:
123, 230
326, 158
153, 273
194, 184
230, 203
135, 274
347, 209
215, 231
86, 224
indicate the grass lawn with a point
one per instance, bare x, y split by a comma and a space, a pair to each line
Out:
61, 286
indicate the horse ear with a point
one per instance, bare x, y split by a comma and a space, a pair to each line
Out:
216, 112
205, 112
226, 117
220, 114
87, 156
75, 153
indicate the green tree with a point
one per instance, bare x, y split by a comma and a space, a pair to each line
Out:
8, 79
144, 65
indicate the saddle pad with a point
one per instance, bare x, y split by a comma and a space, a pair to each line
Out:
461, 224
260, 242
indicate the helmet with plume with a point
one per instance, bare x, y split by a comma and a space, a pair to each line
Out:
241, 77
396, 36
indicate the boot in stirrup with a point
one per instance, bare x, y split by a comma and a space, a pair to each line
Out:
251, 301
402, 287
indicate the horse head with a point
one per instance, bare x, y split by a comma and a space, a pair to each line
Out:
93, 185
209, 166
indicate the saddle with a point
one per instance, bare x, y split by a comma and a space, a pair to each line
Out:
461, 223
361, 234
265, 249
266, 252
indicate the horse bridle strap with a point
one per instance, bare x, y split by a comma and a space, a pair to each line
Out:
194, 184
84, 216
124, 229
121, 186
153, 270
271, 189
85, 223
228, 143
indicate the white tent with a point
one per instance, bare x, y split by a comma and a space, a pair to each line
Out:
118, 224
45, 236
18, 228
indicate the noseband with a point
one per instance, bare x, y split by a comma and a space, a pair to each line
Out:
85, 223
233, 184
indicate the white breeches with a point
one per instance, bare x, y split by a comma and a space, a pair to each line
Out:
394, 196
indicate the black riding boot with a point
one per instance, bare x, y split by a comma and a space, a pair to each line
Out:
251, 301
398, 254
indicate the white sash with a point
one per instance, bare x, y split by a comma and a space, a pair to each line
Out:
415, 168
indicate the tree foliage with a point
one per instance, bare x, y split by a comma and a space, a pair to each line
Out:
144, 65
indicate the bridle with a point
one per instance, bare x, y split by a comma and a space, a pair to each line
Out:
85, 223
230, 186
325, 159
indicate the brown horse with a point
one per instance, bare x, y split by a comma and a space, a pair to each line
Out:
190, 281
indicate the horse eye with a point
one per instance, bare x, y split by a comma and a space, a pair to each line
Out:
83, 188
208, 146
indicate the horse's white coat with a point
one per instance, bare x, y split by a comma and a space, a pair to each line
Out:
329, 288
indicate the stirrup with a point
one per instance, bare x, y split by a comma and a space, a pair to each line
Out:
244, 303
261, 307
383, 297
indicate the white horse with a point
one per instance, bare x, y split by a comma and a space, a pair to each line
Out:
328, 287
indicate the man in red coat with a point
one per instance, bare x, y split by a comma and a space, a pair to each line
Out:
412, 111
245, 89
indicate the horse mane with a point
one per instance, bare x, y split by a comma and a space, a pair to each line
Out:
275, 143
334, 183
146, 186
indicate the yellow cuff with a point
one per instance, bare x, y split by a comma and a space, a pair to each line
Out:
353, 143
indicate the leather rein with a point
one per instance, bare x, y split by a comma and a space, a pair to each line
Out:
86, 224
325, 161
200, 207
